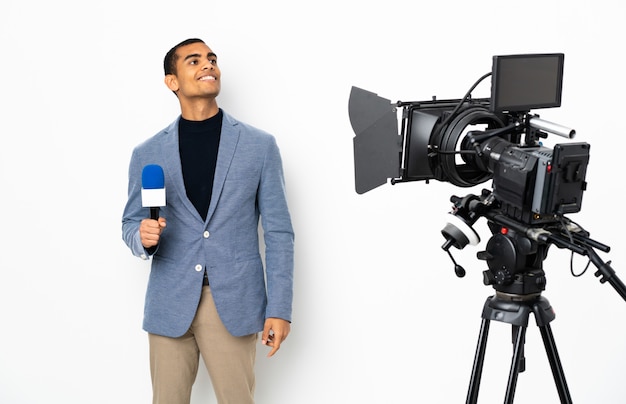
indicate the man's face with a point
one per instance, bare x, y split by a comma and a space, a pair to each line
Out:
197, 73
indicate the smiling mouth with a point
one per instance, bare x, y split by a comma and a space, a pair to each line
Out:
207, 78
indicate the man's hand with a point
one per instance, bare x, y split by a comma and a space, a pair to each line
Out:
150, 231
275, 332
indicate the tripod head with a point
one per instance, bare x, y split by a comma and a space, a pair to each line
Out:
516, 250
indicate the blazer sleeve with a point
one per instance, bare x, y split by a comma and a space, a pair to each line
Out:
278, 235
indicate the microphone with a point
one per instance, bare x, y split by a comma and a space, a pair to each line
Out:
153, 189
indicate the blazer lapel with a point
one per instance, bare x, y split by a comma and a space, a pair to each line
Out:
173, 167
228, 143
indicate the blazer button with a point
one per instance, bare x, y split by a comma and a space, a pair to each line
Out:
206, 234
198, 268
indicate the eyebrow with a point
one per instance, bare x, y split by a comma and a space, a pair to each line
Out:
197, 55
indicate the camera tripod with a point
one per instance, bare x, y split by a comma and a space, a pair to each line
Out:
516, 273
515, 310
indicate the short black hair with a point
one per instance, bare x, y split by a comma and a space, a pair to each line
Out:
169, 63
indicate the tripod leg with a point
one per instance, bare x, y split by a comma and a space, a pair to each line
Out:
522, 362
555, 364
479, 358
518, 352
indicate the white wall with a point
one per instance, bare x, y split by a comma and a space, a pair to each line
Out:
379, 315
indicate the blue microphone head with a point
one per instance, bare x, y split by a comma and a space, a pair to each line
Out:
152, 177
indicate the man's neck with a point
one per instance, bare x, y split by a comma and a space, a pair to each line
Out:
199, 111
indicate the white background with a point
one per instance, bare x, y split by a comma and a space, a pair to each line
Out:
379, 315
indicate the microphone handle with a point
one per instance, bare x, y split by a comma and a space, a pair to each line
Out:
154, 213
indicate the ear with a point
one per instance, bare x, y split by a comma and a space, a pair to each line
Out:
171, 82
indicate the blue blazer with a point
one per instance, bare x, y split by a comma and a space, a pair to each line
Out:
248, 184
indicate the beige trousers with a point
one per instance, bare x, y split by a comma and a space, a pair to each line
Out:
229, 360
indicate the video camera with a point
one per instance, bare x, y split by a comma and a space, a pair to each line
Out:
469, 141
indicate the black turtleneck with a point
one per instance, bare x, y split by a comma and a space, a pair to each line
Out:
198, 143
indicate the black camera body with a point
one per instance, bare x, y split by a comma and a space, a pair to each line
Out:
536, 184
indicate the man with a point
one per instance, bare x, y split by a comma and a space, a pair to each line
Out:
208, 293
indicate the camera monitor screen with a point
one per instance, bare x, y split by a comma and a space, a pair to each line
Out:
520, 83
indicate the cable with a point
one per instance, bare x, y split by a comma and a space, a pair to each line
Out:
466, 96
571, 239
